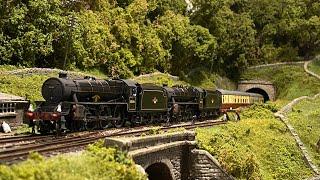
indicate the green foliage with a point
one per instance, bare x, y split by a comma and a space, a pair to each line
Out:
22, 129
305, 119
132, 37
154, 131
95, 163
201, 77
261, 31
291, 81
257, 147
190, 46
122, 38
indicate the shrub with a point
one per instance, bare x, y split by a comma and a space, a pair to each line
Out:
96, 162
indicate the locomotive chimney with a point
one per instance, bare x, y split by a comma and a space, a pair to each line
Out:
63, 75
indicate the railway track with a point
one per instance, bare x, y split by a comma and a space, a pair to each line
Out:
12, 151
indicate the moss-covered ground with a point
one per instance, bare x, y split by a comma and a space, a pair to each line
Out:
257, 147
96, 162
305, 118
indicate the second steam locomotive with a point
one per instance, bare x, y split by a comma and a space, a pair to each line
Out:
89, 103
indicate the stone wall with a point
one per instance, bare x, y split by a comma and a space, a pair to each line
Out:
206, 167
277, 64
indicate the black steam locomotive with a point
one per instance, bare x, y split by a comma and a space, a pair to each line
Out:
89, 103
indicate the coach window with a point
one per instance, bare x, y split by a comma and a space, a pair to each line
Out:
7, 108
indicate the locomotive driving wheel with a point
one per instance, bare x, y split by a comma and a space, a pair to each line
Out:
118, 116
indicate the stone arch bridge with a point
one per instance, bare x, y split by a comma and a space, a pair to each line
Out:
170, 157
265, 88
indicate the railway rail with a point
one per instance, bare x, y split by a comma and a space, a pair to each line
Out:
12, 151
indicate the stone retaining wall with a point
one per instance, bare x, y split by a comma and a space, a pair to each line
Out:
206, 167
277, 64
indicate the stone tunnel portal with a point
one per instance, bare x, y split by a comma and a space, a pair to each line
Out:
158, 171
260, 91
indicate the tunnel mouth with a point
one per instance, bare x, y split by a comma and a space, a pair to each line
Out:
260, 91
158, 171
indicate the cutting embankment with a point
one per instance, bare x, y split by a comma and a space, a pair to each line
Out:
260, 146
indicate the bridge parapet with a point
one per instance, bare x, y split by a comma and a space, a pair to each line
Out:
170, 156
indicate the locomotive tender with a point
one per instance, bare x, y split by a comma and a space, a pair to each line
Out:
89, 103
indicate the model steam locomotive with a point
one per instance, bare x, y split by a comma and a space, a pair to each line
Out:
89, 103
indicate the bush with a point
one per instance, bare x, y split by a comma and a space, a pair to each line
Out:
260, 111
96, 162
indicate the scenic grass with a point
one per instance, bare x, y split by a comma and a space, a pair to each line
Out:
314, 66
257, 147
305, 118
159, 79
96, 162
23, 85
291, 81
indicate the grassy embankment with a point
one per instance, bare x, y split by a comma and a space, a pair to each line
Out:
96, 162
260, 146
305, 118
257, 147
314, 66
28, 84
